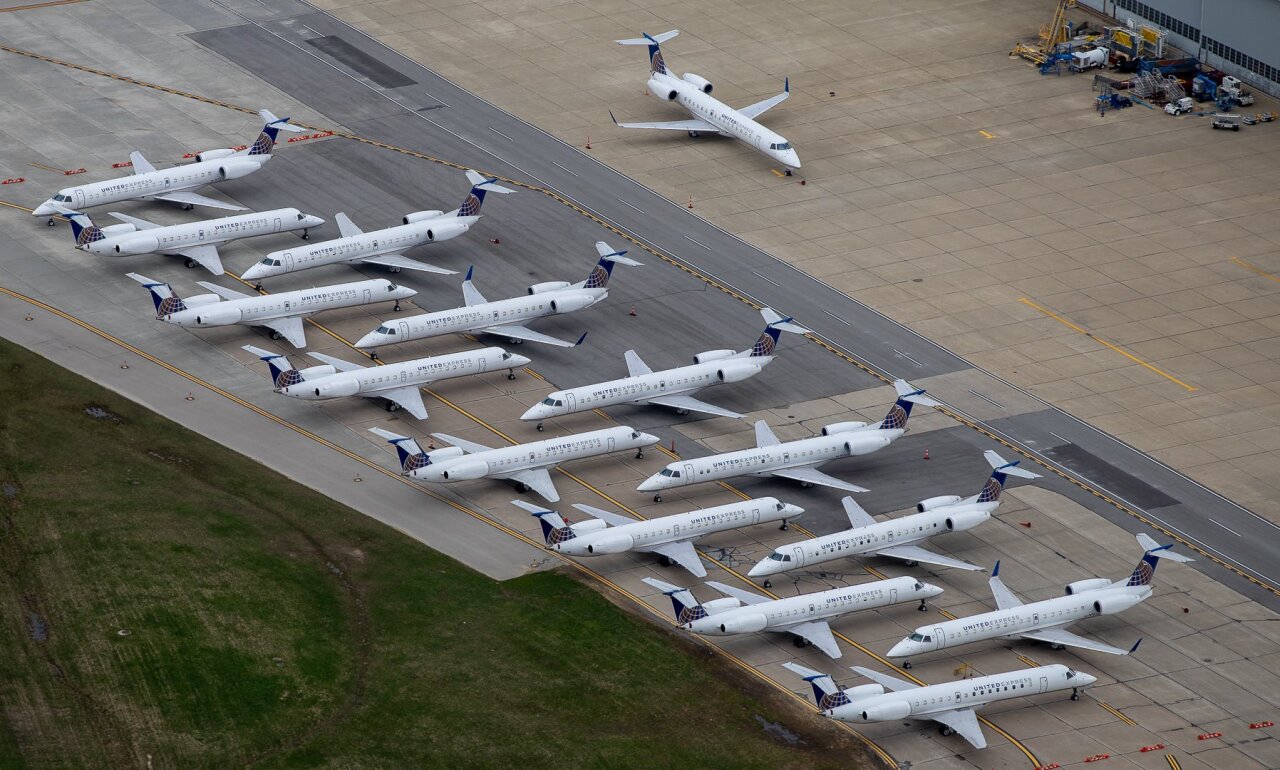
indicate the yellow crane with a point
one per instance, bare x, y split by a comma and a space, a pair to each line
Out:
1050, 36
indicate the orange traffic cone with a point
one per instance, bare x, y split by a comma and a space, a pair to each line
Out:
926, 453
588, 141
633, 310
690, 201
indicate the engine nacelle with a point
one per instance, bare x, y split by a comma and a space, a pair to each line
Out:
201, 300
736, 372
445, 453
234, 168
588, 525
865, 690
662, 91
571, 303
539, 288
699, 82
617, 542
119, 229
334, 387
420, 216
1092, 584
214, 154
713, 355
1116, 602
466, 470
966, 518
886, 712
937, 502
842, 427
721, 605
744, 623
312, 372
218, 314
138, 244
443, 231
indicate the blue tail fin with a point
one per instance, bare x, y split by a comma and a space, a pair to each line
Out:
480, 185
163, 296
1000, 473
653, 42
1145, 570
271, 127
767, 343
900, 412
411, 455
283, 374
554, 528
826, 693
83, 229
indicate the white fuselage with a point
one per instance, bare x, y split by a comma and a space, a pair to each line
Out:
420, 371
963, 694
353, 248
304, 302
682, 526
189, 176
173, 238
822, 605
726, 119
760, 461
1059, 611
538, 454
681, 380
460, 320
906, 530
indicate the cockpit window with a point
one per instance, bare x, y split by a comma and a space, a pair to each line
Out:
386, 330
1070, 673
391, 287
667, 472
269, 262
62, 198
780, 146
919, 586
917, 637
548, 401
635, 434
301, 216
506, 356
779, 506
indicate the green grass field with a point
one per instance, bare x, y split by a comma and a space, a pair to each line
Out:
166, 600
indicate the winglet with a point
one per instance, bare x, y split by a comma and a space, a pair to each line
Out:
580, 339
611, 117
995, 571
470, 271
1134, 648
786, 86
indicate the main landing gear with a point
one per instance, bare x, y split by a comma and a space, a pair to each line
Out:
188, 206
800, 642
806, 485
694, 134
190, 263
947, 731
393, 406
682, 412
522, 487
275, 335
665, 561
393, 269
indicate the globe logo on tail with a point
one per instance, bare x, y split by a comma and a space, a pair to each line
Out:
1142, 573
89, 235
169, 305
690, 614
896, 418
990, 491
764, 346
598, 278
656, 62
414, 462
289, 379
830, 700
262, 145
560, 534
470, 207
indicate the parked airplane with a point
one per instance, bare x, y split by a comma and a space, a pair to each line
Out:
173, 184
806, 615
197, 241
505, 317
671, 387
281, 313
1044, 621
384, 247
951, 704
671, 537
710, 115
897, 538
797, 460
400, 384
525, 464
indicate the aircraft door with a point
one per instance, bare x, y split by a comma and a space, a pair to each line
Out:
404, 376
404, 330
570, 401
79, 196
611, 443
938, 636
755, 515
277, 225
286, 259
813, 610
482, 365
797, 554
1044, 684
201, 234
368, 296
688, 473
1035, 618
893, 596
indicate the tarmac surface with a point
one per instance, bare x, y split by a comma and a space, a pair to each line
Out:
1200, 669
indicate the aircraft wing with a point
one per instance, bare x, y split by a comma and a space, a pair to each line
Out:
692, 404
672, 125
817, 633
141, 224
610, 518
683, 553
470, 447
223, 291
759, 108
536, 479
636, 366
140, 164
815, 476
746, 597
192, 199
290, 328
206, 255
1068, 639
965, 723
345, 226
857, 516
337, 363
403, 262
884, 680
916, 553
517, 332
409, 397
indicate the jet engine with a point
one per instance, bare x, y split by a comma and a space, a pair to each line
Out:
721, 605
713, 355
588, 525
966, 518
312, 372
746, 623
842, 427
886, 712
1115, 602
662, 91
337, 388
234, 168
864, 690
736, 372
139, 244
200, 300
937, 502
539, 288
219, 314
443, 231
420, 216
119, 229
445, 453
614, 543
214, 154
1081, 586
571, 303
699, 82
463, 471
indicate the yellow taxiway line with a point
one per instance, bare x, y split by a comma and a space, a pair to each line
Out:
1254, 268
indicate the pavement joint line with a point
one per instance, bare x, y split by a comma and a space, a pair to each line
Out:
884, 755
34, 6
1074, 327
1254, 268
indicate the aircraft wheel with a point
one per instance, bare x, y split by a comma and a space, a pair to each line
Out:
784, 526
682, 412
190, 263
373, 355
1075, 695
906, 665
515, 341
768, 584
787, 172
393, 406
664, 561
511, 375
800, 642
522, 487
396, 308
693, 134
257, 287
947, 731
275, 335
306, 236
913, 564
657, 498
188, 206
540, 428
806, 485
50, 223
1057, 647
640, 454
394, 269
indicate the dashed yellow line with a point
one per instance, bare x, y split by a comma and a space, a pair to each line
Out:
1173, 762
987, 134
1255, 268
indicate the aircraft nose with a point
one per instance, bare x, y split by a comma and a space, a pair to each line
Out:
1084, 680
902, 649
649, 438
372, 339
532, 413
312, 221
792, 159
760, 570
254, 272
931, 590
650, 484
43, 210
519, 360
792, 510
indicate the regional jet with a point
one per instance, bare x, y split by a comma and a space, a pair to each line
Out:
197, 241
384, 247
898, 538
506, 317
400, 384
710, 115
806, 615
174, 184
796, 460
281, 313
671, 387
671, 537
1045, 621
951, 704
525, 464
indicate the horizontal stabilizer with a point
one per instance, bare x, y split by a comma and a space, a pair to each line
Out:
1149, 545
488, 184
777, 321
1008, 468
649, 39
269, 119
908, 392
607, 252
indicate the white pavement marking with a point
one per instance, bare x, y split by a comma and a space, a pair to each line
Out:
562, 168
1224, 526
700, 243
630, 206
761, 277
909, 358
994, 403
841, 320
499, 133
